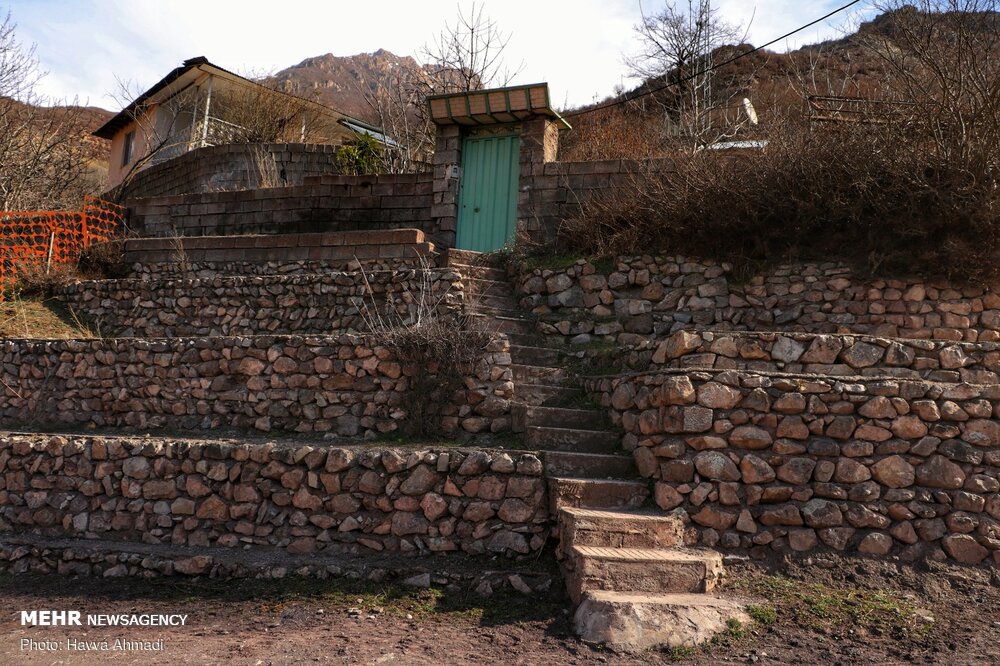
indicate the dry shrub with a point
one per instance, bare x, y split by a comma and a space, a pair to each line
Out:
103, 260
876, 196
436, 346
34, 278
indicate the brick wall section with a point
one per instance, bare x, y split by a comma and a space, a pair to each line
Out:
447, 153
254, 305
304, 500
795, 462
231, 167
553, 191
323, 204
337, 384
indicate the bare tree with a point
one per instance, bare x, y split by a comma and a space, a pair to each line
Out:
466, 55
258, 112
942, 57
677, 45
43, 153
469, 54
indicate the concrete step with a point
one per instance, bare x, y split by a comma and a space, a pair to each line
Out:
619, 529
529, 355
507, 324
479, 272
560, 417
453, 256
545, 394
538, 373
590, 465
633, 622
648, 570
596, 493
545, 438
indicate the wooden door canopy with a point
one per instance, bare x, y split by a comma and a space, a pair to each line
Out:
492, 107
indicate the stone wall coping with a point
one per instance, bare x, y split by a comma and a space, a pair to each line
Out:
991, 391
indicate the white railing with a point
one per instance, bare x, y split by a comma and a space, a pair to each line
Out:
218, 132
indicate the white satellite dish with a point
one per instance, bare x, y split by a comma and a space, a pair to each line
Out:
751, 112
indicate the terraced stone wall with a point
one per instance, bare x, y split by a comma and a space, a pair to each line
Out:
640, 297
787, 461
318, 304
346, 385
301, 499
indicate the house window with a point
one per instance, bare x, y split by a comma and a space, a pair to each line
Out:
127, 148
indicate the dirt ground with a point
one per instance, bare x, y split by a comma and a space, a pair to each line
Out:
824, 610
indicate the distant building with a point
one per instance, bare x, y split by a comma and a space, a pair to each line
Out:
200, 104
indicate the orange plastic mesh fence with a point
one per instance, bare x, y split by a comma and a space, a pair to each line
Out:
34, 239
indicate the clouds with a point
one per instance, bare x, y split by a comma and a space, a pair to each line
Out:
575, 45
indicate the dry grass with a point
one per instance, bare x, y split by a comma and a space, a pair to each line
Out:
41, 318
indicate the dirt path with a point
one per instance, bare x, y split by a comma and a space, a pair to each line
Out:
827, 611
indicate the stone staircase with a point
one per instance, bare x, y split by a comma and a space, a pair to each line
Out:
630, 570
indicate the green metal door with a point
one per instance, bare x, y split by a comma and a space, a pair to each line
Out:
487, 201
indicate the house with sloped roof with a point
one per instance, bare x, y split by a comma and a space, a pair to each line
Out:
200, 104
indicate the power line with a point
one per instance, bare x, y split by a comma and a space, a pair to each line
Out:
607, 105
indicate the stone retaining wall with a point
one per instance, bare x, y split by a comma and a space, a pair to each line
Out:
302, 304
639, 297
813, 353
304, 500
337, 384
875, 465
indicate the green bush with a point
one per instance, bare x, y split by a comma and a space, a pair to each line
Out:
360, 156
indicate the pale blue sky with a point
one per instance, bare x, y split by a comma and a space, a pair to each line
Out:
575, 45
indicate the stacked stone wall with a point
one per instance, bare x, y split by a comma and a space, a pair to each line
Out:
303, 499
875, 465
640, 297
815, 353
347, 385
242, 305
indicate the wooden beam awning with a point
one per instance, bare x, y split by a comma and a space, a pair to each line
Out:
494, 106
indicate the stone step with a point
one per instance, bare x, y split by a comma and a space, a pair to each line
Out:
563, 417
476, 288
545, 394
479, 272
535, 340
546, 438
493, 311
649, 570
476, 301
505, 324
619, 529
538, 373
590, 465
596, 493
633, 622
529, 355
